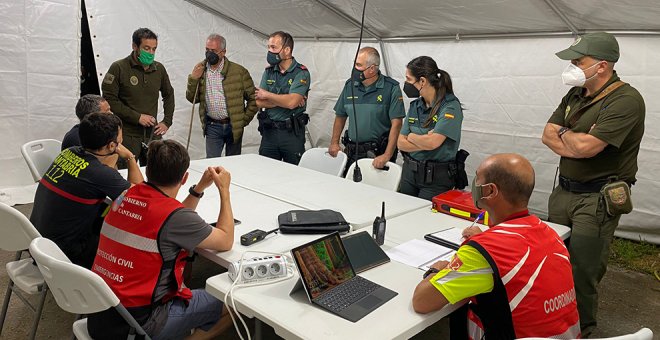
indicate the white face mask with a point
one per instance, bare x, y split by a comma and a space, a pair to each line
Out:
574, 76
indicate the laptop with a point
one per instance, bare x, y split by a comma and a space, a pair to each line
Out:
363, 252
329, 280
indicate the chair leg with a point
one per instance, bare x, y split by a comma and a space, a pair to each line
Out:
37, 315
5, 304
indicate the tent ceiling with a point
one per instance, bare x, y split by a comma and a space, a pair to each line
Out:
393, 19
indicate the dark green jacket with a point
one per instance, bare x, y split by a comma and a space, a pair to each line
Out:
131, 90
239, 95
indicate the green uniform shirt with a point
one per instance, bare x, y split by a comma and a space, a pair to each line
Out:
295, 79
377, 104
131, 90
619, 121
447, 121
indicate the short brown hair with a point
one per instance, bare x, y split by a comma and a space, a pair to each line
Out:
287, 39
167, 162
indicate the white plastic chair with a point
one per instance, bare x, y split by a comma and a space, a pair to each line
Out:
40, 154
386, 179
642, 334
24, 276
77, 289
320, 160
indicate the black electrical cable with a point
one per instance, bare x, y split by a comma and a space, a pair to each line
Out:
357, 174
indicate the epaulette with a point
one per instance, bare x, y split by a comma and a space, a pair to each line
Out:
302, 66
391, 81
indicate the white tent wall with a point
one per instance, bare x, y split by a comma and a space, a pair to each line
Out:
39, 77
182, 29
509, 87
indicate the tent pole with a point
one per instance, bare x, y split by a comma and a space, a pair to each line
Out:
384, 59
562, 16
226, 17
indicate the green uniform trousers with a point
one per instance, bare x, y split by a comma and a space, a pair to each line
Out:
413, 183
592, 230
283, 145
134, 144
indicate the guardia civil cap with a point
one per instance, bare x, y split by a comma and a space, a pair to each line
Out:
599, 45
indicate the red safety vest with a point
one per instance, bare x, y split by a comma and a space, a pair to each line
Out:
533, 293
128, 257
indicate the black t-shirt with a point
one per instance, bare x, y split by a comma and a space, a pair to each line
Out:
72, 138
69, 199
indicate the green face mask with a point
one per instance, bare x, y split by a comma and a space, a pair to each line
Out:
146, 58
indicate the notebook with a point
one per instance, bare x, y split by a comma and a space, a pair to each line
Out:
328, 278
363, 251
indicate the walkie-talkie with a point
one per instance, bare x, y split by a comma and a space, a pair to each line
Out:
379, 228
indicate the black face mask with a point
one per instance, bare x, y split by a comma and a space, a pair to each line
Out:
357, 75
212, 57
410, 90
273, 58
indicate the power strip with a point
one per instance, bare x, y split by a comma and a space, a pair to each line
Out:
258, 269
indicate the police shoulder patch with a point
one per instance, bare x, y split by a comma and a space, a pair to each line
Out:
109, 78
449, 115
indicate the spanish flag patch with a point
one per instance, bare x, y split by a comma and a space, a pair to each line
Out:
449, 116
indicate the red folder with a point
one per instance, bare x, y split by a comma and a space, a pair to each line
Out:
458, 203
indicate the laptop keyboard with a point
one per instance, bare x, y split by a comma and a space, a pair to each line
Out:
346, 294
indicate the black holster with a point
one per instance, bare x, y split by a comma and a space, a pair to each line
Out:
265, 123
459, 175
298, 123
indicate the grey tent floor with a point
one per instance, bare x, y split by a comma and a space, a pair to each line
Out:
629, 301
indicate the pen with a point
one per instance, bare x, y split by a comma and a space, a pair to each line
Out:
477, 219
472, 225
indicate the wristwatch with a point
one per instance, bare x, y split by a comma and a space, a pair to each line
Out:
562, 131
429, 272
194, 193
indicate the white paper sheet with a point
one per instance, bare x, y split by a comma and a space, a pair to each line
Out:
420, 253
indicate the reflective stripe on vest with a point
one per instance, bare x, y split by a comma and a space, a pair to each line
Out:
128, 256
533, 264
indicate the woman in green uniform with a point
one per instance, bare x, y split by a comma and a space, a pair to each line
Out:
431, 131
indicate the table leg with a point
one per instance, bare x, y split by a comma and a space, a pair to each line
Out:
257, 329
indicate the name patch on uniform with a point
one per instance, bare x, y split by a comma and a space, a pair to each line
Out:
449, 116
134, 80
108, 79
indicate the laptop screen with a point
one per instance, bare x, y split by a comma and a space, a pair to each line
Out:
323, 264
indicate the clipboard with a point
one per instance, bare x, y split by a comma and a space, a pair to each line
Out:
450, 238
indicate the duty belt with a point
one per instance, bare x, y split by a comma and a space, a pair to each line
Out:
581, 187
422, 165
363, 147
